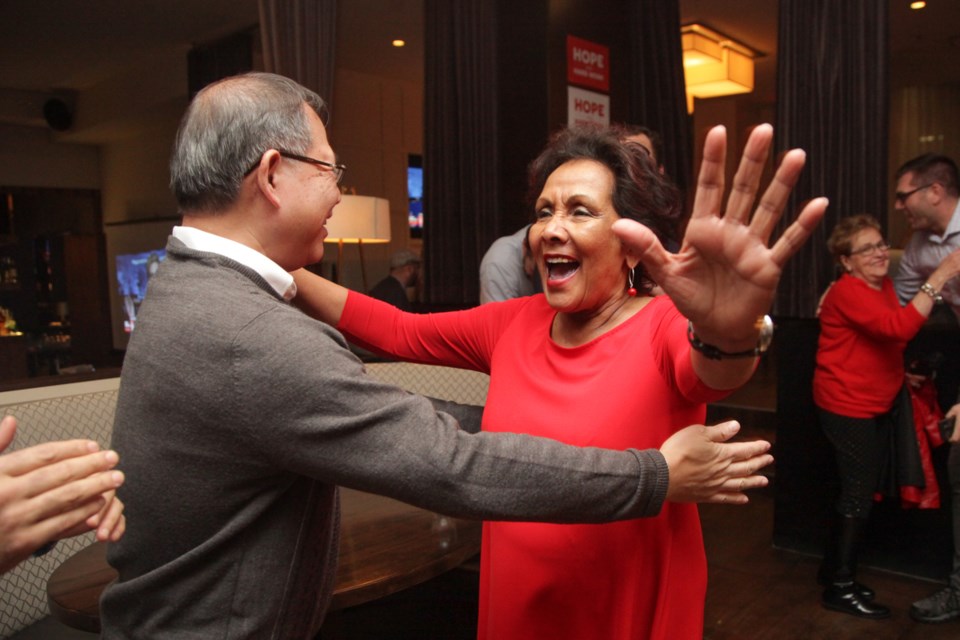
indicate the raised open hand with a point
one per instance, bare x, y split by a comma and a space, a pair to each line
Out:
725, 275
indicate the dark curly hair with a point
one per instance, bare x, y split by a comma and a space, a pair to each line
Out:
639, 191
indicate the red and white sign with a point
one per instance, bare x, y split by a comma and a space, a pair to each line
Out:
587, 107
588, 64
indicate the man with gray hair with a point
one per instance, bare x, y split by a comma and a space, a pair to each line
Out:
238, 416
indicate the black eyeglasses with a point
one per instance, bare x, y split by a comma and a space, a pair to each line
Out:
870, 249
337, 168
901, 196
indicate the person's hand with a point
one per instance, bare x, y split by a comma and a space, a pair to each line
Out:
954, 412
822, 296
704, 467
53, 490
951, 264
915, 380
948, 269
109, 522
724, 277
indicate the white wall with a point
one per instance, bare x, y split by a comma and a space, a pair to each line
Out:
31, 157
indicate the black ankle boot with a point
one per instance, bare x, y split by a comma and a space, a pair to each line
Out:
824, 577
843, 593
846, 599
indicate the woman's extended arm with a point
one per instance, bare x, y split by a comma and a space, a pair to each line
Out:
883, 322
319, 298
463, 339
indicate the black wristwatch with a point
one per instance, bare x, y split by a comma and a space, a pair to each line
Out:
764, 324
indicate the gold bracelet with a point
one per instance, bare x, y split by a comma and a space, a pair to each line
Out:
928, 289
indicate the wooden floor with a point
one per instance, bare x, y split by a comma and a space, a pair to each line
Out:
757, 592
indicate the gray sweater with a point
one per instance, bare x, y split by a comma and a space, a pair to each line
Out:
238, 417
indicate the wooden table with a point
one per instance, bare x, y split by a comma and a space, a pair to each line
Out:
385, 546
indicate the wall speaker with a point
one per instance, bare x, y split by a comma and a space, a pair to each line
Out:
57, 114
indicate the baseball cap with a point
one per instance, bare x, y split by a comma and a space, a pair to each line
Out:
402, 258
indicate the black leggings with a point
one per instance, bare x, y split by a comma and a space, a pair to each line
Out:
860, 449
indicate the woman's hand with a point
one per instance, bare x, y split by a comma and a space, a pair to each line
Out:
725, 276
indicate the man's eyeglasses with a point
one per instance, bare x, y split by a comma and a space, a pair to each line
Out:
870, 249
901, 196
337, 168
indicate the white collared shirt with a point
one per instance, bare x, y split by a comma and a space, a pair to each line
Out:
278, 279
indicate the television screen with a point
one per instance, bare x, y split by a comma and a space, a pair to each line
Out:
133, 273
134, 251
415, 195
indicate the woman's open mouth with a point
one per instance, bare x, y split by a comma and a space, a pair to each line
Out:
560, 268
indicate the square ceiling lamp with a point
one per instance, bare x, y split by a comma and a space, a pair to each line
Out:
358, 220
713, 64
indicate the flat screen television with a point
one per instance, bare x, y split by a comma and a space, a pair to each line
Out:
134, 251
415, 195
133, 273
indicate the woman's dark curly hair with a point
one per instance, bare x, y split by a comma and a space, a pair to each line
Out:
639, 191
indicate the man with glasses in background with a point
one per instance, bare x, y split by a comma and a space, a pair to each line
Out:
928, 195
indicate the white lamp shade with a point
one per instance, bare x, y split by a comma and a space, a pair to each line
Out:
359, 218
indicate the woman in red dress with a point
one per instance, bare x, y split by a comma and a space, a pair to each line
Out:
597, 361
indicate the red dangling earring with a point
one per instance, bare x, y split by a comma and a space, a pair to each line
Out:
631, 290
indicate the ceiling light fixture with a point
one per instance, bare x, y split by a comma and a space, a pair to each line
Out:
713, 64
920, 4
399, 43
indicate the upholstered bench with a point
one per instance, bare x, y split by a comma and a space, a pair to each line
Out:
85, 410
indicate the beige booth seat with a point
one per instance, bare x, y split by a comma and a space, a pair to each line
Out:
85, 410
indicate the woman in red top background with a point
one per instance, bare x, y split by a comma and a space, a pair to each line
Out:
859, 372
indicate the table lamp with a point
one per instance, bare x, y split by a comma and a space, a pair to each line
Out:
359, 220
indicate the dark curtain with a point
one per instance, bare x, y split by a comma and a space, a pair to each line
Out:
298, 38
460, 145
210, 62
832, 102
657, 91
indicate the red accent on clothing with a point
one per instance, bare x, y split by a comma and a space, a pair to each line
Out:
632, 387
926, 414
863, 333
